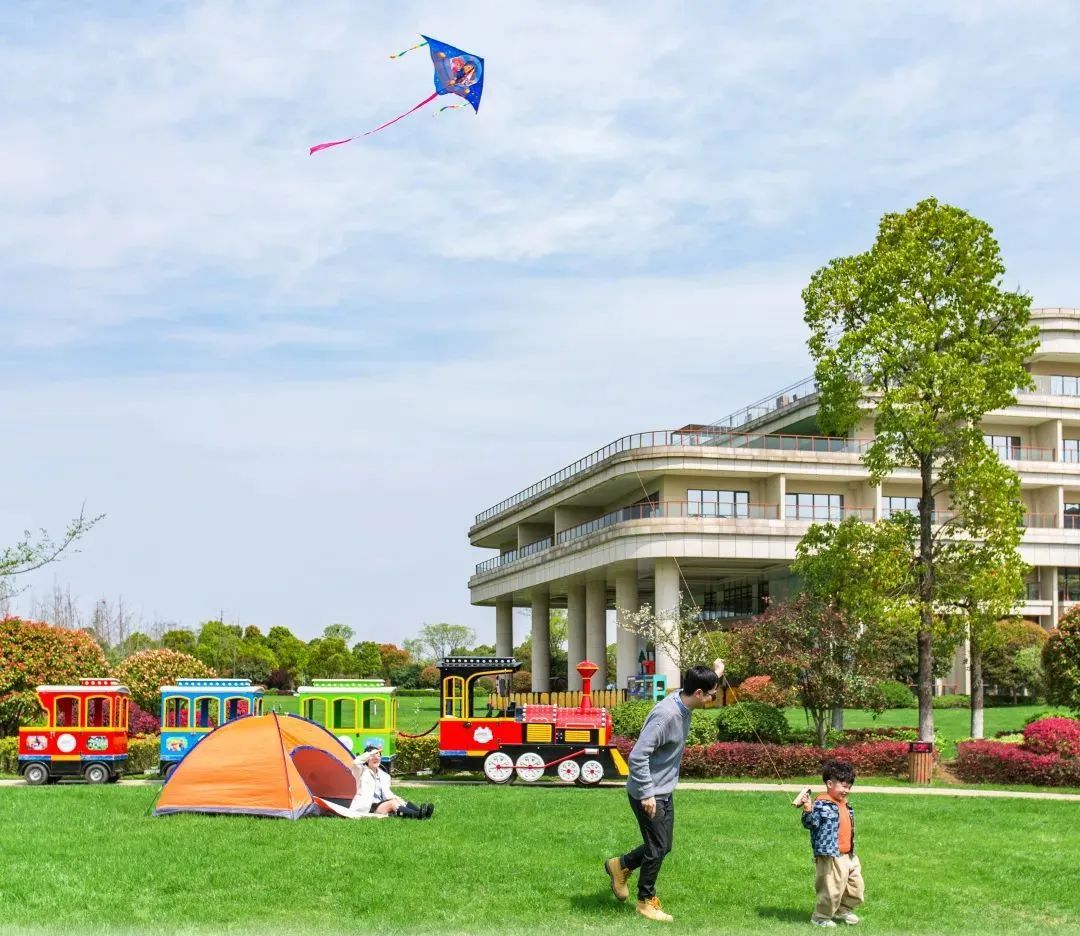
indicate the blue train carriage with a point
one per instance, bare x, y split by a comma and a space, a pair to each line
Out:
193, 708
359, 711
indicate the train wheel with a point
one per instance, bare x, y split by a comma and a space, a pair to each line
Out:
498, 767
569, 771
36, 774
530, 767
96, 773
170, 770
592, 772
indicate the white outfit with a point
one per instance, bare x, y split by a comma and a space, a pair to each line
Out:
371, 788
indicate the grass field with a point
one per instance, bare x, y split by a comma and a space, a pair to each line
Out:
514, 861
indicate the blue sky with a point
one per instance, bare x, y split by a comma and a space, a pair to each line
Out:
291, 382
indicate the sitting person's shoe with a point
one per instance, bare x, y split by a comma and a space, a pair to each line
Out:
619, 876
426, 810
650, 909
847, 917
822, 922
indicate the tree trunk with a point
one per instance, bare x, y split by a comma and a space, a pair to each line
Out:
926, 602
819, 724
838, 718
975, 663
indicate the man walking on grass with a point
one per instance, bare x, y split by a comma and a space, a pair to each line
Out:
654, 771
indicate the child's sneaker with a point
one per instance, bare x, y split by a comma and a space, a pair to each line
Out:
822, 922
847, 917
651, 909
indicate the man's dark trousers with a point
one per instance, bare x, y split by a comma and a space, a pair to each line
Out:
656, 843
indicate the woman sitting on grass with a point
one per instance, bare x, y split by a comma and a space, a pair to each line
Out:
373, 794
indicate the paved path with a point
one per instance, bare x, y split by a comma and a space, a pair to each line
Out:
792, 788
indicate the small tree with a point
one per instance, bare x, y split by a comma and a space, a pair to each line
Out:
35, 552
679, 633
810, 648
429, 677
1061, 662
340, 631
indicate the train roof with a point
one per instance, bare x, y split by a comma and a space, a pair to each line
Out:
346, 688
98, 687
222, 687
470, 664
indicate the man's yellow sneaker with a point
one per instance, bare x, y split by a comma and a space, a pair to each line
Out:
619, 876
651, 909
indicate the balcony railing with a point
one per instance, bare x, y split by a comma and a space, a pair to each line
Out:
695, 510
668, 437
1025, 453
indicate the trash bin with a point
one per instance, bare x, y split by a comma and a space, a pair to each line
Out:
920, 761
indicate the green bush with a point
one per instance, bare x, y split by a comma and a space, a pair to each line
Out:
416, 754
951, 701
628, 717
143, 751
751, 721
1047, 713
702, 727
895, 694
9, 755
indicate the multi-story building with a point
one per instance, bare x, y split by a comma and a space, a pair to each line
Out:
715, 512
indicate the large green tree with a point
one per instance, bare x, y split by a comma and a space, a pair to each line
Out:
367, 658
440, 639
920, 330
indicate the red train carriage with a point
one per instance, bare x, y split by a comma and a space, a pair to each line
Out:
85, 733
528, 742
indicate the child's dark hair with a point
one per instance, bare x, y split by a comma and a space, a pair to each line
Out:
699, 677
840, 770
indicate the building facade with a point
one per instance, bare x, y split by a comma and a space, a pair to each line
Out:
715, 512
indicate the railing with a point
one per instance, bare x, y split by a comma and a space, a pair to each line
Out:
1055, 385
670, 509
516, 554
669, 437
1024, 453
825, 514
773, 403
1040, 521
570, 698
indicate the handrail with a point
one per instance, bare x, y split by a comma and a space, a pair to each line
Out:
514, 555
670, 509
720, 438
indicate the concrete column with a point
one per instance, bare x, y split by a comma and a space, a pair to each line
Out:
1050, 580
596, 629
541, 640
504, 626
666, 576
575, 633
626, 643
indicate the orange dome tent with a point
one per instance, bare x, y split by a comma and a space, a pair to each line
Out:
262, 765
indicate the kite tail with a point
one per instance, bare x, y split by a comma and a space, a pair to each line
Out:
322, 146
419, 45
448, 107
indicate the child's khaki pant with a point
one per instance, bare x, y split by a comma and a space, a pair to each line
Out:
839, 885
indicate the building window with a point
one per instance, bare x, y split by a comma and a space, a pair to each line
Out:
1004, 446
1060, 385
1072, 516
1068, 584
1070, 450
718, 503
895, 505
814, 507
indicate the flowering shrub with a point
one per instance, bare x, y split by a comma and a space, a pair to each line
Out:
416, 754
1053, 736
18, 709
144, 673
739, 759
997, 762
763, 689
142, 723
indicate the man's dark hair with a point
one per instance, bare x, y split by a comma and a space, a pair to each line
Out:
840, 770
699, 677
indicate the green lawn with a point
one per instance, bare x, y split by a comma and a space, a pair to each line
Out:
951, 724
507, 861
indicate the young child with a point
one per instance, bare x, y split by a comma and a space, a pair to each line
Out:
831, 821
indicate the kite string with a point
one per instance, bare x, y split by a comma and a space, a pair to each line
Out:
321, 146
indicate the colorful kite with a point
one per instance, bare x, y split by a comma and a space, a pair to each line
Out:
456, 72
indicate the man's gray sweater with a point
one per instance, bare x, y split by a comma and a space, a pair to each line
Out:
654, 761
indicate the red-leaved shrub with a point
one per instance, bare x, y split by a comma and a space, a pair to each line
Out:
741, 759
997, 762
763, 689
141, 722
1053, 736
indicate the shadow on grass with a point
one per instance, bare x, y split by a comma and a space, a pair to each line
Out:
784, 914
598, 904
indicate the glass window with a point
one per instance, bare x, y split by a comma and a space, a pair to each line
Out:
1070, 450
717, 503
67, 712
895, 505
236, 707
315, 710
1061, 385
816, 507
98, 711
1068, 584
1004, 446
177, 712
345, 714
453, 696
1072, 516
207, 712
374, 713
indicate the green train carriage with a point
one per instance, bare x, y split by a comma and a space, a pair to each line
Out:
358, 711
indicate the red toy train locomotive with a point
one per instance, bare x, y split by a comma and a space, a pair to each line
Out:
528, 741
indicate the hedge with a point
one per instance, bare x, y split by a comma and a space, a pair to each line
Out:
416, 754
9, 755
998, 762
